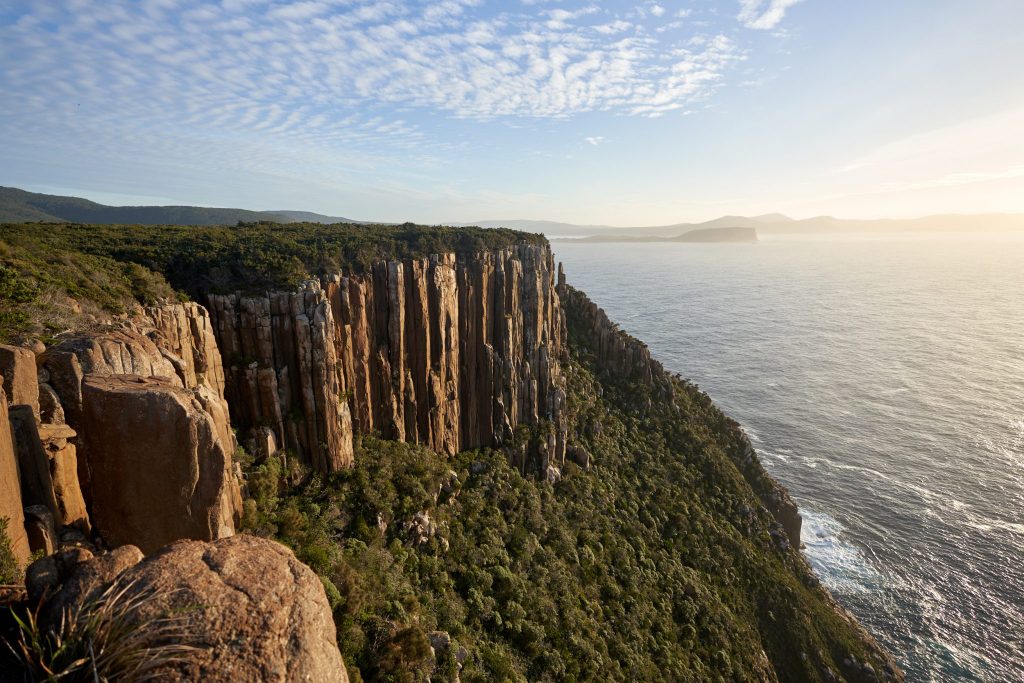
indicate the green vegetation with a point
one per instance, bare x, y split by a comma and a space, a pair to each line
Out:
10, 572
657, 563
109, 268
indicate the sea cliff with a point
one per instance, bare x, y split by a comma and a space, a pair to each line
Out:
489, 478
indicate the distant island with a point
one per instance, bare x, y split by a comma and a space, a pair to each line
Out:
701, 235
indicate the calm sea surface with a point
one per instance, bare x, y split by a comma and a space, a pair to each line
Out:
881, 379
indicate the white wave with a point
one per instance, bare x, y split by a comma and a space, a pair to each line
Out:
841, 565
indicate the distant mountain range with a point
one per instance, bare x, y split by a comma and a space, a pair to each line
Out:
698, 235
776, 224
19, 206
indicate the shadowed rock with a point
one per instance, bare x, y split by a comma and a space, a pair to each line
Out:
159, 458
11, 505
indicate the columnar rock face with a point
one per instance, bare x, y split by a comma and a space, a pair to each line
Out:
452, 352
11, 505
284, 372
58, 444
616, 352
159, 458
184, 333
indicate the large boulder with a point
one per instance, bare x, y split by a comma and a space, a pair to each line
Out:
248, 609
159, 461
11, 506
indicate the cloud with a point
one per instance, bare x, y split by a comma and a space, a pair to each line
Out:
763, 14
594, 140
450, 57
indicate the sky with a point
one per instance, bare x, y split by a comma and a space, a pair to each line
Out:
621, 113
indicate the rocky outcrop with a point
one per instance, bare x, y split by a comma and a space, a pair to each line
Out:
452, 352
11, 506
247, 608
184, 334
773, 495
160, 461
615, 352
120, 352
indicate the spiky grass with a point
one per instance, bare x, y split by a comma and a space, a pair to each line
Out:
107, 639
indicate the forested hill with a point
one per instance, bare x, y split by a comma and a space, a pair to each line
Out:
19, 206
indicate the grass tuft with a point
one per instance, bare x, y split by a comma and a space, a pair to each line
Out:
109, 638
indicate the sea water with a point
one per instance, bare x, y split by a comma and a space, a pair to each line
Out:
881, 379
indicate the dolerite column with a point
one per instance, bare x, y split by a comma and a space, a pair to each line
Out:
362, 395
396, 348
445, 400
418, 337
380, 374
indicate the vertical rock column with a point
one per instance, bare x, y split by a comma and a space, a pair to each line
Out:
285, 372
453, 352
11, 506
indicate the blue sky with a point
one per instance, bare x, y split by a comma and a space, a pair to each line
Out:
619, 112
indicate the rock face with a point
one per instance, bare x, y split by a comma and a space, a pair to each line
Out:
33, 464
11, 505
58, 443
184, 334
452, 352
159, 458
250, 610
18, 369
616, 352
119, 352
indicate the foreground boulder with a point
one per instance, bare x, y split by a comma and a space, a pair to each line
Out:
159, 461
248, 609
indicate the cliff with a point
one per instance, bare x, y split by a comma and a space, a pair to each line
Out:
490, 479
452, 351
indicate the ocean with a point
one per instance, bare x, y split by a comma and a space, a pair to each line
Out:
881, 379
